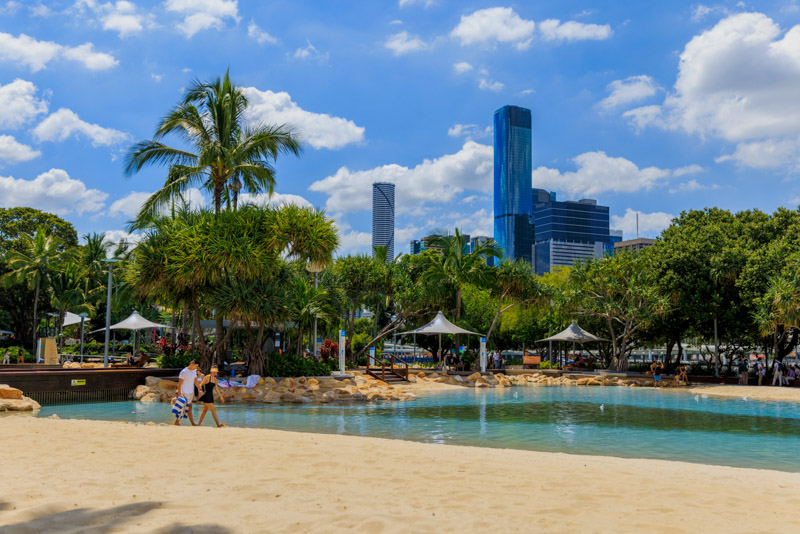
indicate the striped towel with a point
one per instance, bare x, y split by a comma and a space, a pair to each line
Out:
179, 408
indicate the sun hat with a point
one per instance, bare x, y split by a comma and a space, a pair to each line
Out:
214, 370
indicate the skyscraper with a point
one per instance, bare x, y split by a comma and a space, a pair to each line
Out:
513, 210
383, 216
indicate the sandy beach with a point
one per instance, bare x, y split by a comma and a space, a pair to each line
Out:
761, 393
78, 476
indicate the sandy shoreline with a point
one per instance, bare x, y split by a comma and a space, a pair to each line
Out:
758, 393
67, 475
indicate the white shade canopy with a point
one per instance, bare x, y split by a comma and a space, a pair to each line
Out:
575, 334
72, 318
133, 322
440, 325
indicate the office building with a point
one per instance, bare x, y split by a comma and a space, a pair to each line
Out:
383, 217
567, 232
513, 212
415, 247
614, 237
633, 245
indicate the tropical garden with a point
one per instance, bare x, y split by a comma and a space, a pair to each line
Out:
246, 280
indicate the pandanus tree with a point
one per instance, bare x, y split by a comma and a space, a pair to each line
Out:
224, 152
514, 284
40, 256
233, 261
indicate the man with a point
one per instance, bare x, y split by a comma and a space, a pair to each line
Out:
497, 361
656, 369
5, 357
777, 372
760, 370
186, 382
743, 372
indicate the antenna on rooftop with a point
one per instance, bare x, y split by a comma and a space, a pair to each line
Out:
637, 225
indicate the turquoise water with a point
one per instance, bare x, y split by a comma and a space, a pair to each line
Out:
610, 421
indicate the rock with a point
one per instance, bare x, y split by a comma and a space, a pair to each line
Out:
260, 381
140, 392
151, 381
7, 392
269, 382
287, 383
24, 404
273, 397
421, 374
302, 380
594, 382
149, 397
288, 397
329, 396
458, 378
313, 382
168, 384
381, 383
482, 385
473, 377
166, 396
582, 381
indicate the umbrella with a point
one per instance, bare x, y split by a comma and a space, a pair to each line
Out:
440, 325
71, 318
133, 322
573, 333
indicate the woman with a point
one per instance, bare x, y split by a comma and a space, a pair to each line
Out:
20, 356
208, 385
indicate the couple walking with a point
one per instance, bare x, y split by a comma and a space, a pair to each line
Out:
190, 385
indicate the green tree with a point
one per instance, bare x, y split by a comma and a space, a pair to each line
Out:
514, 284
359, 277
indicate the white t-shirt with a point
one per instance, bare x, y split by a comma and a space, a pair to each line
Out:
188, 377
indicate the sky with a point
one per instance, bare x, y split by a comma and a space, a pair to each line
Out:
649, 107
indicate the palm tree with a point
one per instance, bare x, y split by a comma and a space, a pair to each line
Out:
307, 303
226, 155
68, 295
460, 267
91, 260
40, 255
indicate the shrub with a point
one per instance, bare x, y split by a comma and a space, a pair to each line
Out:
176, 360
28, 357
544, 365
289, 366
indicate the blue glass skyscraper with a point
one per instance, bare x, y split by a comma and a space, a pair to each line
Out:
513, 210
383, 217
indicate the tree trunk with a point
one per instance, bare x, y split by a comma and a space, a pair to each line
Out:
352, 326
35, 306
458, 318
219, 335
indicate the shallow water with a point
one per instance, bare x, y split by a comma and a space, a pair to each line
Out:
608, 421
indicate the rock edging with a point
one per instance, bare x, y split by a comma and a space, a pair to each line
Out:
12, 400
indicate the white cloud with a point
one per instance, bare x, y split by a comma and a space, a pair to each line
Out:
694, 168
479, 223
34, 54
555, 30
115, 236
277, 199
310, 52
650, 224
12, 151
631, 89
526, 92
10, 8
494, 24
461, 67
404, 3
403, 43
261, 37
130, 204
470, 131
52, 191
691, 185
487, 84
599, 173
320, 130
200, 15
737, 81
18, 104
64, 123
432, 181
157, 77
121, 16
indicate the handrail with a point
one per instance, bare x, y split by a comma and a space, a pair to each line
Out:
382, 364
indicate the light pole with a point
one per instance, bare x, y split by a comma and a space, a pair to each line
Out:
83, 315
316, 268
110, 262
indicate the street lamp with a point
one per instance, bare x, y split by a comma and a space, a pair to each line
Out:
110, 262
83, 316
316, 268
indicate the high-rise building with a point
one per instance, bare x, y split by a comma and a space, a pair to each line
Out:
614, 237
513, 211
383, 217
566, 232
415, 247
634, 245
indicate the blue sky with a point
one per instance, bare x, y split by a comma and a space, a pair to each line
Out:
650, 107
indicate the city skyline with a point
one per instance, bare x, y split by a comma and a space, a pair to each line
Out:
402, 92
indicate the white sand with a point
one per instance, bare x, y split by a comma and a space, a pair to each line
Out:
78, 476
762, 393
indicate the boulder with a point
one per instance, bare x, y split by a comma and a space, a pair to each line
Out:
140, 392
302, 380
23, 404
268, 382
583, 381
273, 397
150, 397
7, 392
260, 381
594, 382
473, 377
288, 397
168, 384
151, 381
287, 383
482, 385
381, 383
313, 382
421, 374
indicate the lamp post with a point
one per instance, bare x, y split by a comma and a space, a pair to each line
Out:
316, 268
83, 316
110, 262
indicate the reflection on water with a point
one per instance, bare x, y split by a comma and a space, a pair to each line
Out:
671, 425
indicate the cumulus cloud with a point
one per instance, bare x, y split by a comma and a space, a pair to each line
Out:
277, 199
64, 123
650, 224
555, 30
494, 24
403, 43
261, 37
737, 81
319, 130
121, 16
310, 52
115, 236
129, 205
200, 15
599, 173
470, 131
436, 180
12, 151
631, 89
52, 191
35, 55
426, 3
691, 185
694, 168
19, 104
10, 8
461, 67
487, 84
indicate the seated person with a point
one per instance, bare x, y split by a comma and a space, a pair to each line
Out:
682, 376
140, 360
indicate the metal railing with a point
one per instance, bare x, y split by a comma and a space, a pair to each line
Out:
382, 366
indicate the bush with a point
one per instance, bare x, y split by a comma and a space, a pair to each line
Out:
289, 366
177, 360
28, 357
544, 365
